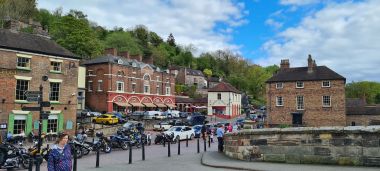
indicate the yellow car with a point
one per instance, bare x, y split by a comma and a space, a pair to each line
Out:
106, 119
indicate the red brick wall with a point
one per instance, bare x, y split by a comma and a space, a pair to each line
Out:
314, 113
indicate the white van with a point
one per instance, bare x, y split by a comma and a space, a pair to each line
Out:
173, 113
152, 114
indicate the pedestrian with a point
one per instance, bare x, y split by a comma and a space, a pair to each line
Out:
212, 136
219, 135
60, 155
203, 131
229, 128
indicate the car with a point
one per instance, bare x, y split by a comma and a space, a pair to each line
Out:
162, 126
152, 114
137, 115
106, 119
253, 117
240, 122
181, 133
196, 119
121, 117
176, 122
173, 113
130, 125
197, 131
184, 114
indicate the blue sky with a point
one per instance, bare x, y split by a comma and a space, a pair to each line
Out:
341, 34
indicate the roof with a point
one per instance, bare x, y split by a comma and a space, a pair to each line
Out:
224, 87
194, 72
190, 100
214, 79
301, 74
363, 110
355, 102
26, 42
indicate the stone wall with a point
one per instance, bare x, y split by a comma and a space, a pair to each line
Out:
325, 145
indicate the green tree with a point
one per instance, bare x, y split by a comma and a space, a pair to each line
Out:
123, 41
207, 72
365, 89
171, 40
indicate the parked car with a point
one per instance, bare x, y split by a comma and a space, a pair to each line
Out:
173, 113
162, 126
137, 115
180, 132
240, 122
196, 119
152, 114
106, 119
184, 114
197, 131
177, 122
130, 125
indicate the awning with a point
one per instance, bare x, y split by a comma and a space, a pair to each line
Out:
122, 104
149, 105
170, 105
160, 105
137, 104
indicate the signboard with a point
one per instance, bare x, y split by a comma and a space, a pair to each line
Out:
3, 126
45, 104
32, 96
36, 124
69, 124
30, 108
33, 99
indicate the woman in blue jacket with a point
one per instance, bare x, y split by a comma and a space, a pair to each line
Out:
60, 155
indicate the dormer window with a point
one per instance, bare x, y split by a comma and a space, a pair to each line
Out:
134, 64
299, 84
325, 83
279, 85
120, 61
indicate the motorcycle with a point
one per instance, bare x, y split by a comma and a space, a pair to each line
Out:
14, 157
119, 140
101, 143
162, 138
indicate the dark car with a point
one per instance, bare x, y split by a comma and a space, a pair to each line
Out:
176, 122
196, 119
184, 114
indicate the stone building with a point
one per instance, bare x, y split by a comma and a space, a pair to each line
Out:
306, 96
186, 104
224, 101
25, 58
189, 77
359, 113
122, 82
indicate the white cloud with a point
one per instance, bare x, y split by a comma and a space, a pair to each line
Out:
298, 2
190, 21
273, 23
344, 37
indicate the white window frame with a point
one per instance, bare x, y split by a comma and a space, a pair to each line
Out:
277, 101
167, 90
20, 117
133, 89
300, 82
323, 101
100, 85
279, 87
52, 66
27, 64
89, 86
148, 91
325, 82
117, 86
300, 107
217, 96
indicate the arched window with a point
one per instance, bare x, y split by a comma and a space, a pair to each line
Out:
147, 77
146, 87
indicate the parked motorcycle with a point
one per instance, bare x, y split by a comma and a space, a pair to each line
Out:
119, 140
161, 138
12, 157
101, 143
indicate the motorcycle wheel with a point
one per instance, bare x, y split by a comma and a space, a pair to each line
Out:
85, 151
124, 145
25, 162
107, 148
79, 152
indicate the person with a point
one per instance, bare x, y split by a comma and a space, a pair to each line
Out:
212, 136
60, 155
9, 136
203, 131
219, 135
230, 128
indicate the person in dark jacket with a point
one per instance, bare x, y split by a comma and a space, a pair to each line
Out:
60, 155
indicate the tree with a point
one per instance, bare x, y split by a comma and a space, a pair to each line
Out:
365, 89
207, 72
171, 40
123, 41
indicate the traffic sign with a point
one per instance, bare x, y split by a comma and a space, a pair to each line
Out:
44, 115
33, 99
30, 108
32, 93
45, 104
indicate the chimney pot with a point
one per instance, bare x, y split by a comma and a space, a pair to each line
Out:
285, 64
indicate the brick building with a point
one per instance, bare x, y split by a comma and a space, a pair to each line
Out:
122, 82
186, 104
224, 101
306, 96
189, 77
25, 58
359, 113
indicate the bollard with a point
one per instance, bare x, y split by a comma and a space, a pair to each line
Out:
143, 150
204, 144
198, 145
187, 141
75, 159
130, 153
164, 143
38, 162
209, 141
179, 147
97, 158
168, 149
30, 164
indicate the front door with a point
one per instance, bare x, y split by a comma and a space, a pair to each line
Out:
297, 119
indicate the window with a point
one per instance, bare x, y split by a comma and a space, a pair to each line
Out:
167, 90
219, 96
55, 66
54, 92
90, 72
21, 87
89, 86
325, 83
23, 62
300, 104
100, 85
279, 101
52, 125
133, 87
167, 80
19, 124
158, 78
146, 89
147, 77
120, 86
299, 84
158, 89
326, 101
279, 85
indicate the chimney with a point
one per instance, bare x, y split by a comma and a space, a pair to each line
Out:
110, 51
138, 57
311, 65
148, 60
285, 64
124, 54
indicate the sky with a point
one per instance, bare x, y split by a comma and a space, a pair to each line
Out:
343, 35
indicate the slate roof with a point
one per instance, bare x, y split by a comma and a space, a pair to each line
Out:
190, 100
213, 79
26, 42
301, 74
355, 102
194, 72
224, 87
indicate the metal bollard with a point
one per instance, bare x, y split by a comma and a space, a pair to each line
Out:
97, 158
204, 144
209, 141
198, 145
164, 143
179, 147
168, 149
187, 141
130, 153
30, 164
75, 159
143, 150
